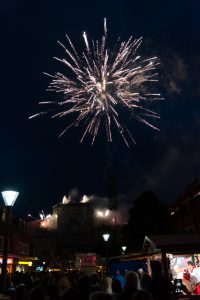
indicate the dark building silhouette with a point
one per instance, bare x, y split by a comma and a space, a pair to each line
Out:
186, 209
112, 192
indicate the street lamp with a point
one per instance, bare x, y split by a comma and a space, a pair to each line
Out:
106, 237
9, 198
123, 249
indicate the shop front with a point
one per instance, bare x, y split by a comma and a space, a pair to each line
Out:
86, 262
25, 264
9, 264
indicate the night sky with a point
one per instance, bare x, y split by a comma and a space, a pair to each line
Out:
43, 167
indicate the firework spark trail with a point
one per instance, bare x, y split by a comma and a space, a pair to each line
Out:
102, 83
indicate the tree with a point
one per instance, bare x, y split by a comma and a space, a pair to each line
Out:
147, 216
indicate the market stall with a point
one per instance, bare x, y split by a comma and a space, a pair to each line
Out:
179, 254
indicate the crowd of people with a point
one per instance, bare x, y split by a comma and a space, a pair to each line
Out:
80, 286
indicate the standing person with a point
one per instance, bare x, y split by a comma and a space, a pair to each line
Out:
142, 295
84, 286
95, 284
116, 287
194, 277
100, 295
38, 293
62, 285
131, 286
144, 281
121, 278
159, 286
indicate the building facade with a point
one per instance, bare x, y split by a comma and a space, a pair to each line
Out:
18, 244
71, 229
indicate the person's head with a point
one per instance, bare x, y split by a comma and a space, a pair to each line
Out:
84, 284
20, 290
116, 286
191, 266
63, 282
144, 280
2, 297
71, 294
117, 272
38, 293
156, 267
140, 271
142, 295
94, 278
132, 280
100, 296
108, 284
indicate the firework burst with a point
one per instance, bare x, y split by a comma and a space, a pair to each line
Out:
102, 83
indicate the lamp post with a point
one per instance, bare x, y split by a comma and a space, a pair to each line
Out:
9, 198
106, 237
123, 249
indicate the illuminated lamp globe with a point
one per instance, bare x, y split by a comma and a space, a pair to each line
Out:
124, 248
106, 237
9, 197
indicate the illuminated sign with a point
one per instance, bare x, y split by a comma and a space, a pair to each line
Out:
88, 261
29, 263
9, 261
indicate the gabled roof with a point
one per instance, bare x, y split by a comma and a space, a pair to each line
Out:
190, 191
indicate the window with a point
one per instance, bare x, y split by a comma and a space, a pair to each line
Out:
1, 243
20, 248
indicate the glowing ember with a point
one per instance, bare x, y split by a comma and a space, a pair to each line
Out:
85, 199
66, 200
103, 213
44, 217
